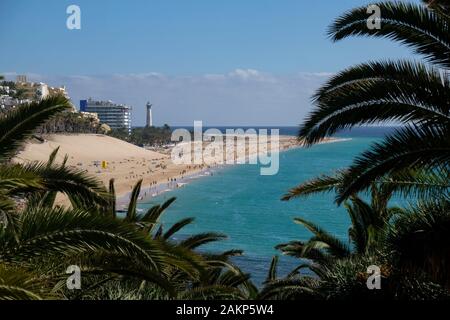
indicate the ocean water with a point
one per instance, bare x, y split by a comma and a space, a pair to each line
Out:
240, 203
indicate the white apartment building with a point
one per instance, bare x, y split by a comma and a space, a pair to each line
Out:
117, 116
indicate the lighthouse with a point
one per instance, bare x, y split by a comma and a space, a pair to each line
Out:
149, 115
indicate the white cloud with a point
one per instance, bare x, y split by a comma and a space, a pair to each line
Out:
318, 74
245, 73
241, 97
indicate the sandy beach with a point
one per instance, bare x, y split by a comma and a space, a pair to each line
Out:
106, 157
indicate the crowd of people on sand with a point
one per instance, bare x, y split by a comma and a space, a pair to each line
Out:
145, 169
160, 169
174, 181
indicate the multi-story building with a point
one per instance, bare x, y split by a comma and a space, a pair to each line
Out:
13, 94
21, 78
117, 116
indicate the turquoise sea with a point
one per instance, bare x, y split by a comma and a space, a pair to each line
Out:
240, 203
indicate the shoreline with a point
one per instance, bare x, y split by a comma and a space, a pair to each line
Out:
149, 193
106, 158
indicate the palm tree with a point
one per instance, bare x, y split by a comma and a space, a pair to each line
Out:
368, 222
218, 277
19, 180
17, 283
414, 161
415, 94
419, 240
346, 279
36, 235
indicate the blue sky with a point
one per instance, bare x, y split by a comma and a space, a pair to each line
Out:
174, 52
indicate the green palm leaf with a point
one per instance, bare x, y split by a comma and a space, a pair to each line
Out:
177, 227
17, 283
323, 239
272, 274
212, 292
421, 148
72, 182
379, 92
131, 212
112, 204
419, 183
419, 239
424, 30
300, 288
20, 123
321, 184
200, 239
300, 249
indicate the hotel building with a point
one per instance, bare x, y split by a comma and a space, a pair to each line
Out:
117, 116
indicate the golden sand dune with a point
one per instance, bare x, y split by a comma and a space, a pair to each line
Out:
85, 147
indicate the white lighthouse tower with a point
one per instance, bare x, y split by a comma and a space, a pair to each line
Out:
149, 115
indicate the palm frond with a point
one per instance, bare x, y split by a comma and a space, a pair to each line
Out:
131, 212
52, 157
299, 249
272, 274
323, 239
20, 123
419, 239
212, 292
419, 183
20, 284
379, 92
423, 148
153, 214
112, 194
70, 181
177, 227
200, 239
321, 184
426, 31
300, 288
65, 232
15, 179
